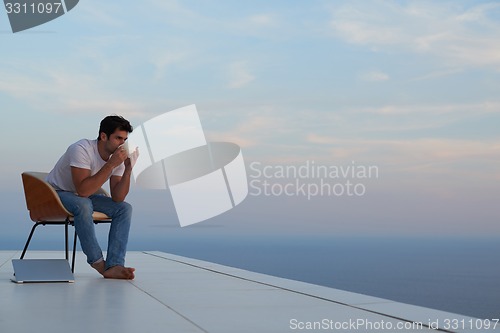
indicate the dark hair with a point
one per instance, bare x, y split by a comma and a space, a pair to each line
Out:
111, 123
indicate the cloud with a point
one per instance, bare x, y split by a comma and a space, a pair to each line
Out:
241, 21
386, 133
375, 76
459, 36
437, 74
262, 20
175, 11
239, 75
264, 25
105, 14
164, 59
251, 131
65, 91
429, 155
436, 109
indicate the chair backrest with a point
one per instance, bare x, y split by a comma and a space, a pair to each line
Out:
42, 200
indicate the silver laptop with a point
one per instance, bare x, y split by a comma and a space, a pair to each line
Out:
41, 270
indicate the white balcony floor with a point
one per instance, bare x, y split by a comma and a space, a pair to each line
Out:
177, 294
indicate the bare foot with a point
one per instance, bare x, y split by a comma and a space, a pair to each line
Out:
99, 266
119, 272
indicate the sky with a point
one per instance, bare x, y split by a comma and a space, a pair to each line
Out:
410, 88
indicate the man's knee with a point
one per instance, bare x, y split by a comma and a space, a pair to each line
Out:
84, 206
125, 208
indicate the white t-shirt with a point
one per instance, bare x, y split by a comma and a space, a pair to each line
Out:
82, 154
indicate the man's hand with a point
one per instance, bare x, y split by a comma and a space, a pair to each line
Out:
118, 156
120, 185
132, 158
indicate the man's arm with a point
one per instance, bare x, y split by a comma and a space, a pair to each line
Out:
120, 186
87, 185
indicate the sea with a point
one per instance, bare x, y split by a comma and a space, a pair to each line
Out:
456, 274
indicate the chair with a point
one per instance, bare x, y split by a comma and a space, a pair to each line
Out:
46, 208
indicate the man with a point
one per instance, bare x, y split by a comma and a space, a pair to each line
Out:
80, 172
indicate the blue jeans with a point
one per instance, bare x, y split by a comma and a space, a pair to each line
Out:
120, 212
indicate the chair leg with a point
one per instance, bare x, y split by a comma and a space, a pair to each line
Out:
29, 239
74, 252
66, 239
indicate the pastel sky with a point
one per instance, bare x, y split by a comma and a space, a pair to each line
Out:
412, 87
